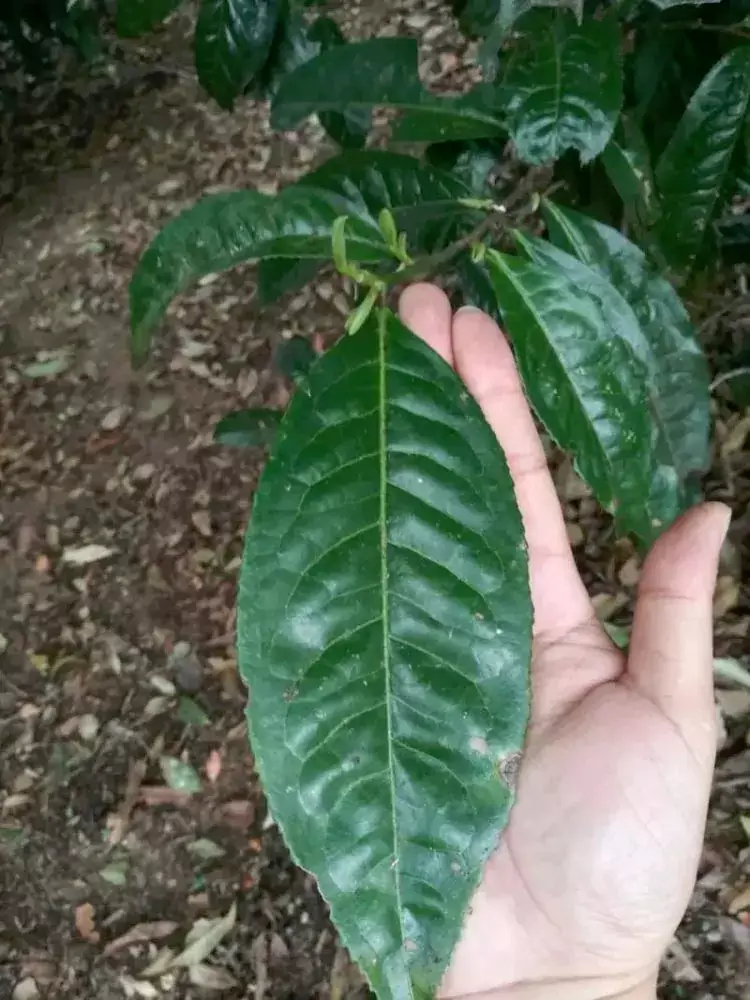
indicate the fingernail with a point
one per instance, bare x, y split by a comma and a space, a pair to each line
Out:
470, 309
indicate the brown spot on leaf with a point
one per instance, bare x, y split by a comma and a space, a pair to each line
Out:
508, 768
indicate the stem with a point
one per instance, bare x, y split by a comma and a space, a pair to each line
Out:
429, 265
722, 29
494, 222
727, 376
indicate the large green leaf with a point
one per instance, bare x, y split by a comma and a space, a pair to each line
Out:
384, 633
587, 386
350, 127
379, 71
136, 17
224, 230
679, 393
667, 495
232, 42
562, 86
692, 172
295, 43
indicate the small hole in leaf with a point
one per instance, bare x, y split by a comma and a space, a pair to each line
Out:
480, 745
410, 945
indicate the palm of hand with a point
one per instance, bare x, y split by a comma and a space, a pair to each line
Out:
596, 866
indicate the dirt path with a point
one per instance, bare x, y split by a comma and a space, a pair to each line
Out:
111, 658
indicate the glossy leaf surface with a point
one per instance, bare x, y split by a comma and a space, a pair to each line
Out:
562, 86
224, 230
279, 275
666, 497
692, 172
587, 386
379, 71
247, 428
472, 162
136, 17
424, 201
679, 391
384, 632
349, 128
627, 162
232, 43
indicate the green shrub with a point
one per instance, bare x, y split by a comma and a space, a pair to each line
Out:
385, 578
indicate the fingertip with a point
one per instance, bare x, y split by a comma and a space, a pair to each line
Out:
481, 351
426, 310
688, 552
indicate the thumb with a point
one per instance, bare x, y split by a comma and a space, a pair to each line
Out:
670, 661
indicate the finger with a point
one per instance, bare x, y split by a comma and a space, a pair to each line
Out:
671, 659
485, 362
425, 309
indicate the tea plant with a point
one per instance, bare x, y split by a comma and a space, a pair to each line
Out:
384, 609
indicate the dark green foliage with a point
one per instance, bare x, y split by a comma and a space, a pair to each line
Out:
384, 530
32, 30
561, 87
247, 428
232, 43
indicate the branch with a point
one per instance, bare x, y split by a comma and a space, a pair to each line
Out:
724, 29
496, 221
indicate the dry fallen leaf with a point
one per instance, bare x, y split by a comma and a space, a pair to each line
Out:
213, 766
735, 439
630, 572
84, 921
114, 419
86, 554
726, 596
740, 902
239, 813
202, 521
154, 931
27, 989
138, 988
204, 937
161, 795
161, 964
210, 978
680, 965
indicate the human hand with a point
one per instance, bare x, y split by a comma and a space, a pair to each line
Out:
597, 864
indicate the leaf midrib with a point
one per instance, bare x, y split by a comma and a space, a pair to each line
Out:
385, 612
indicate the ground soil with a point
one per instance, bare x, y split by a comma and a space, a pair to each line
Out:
108, 665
